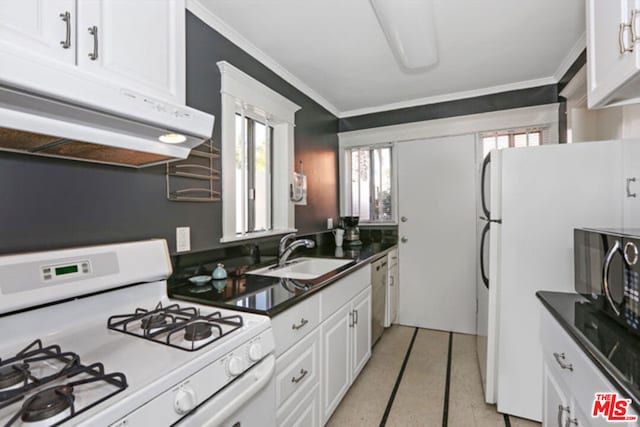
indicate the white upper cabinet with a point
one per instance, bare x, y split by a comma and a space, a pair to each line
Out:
40, 27
139, 44
613, 49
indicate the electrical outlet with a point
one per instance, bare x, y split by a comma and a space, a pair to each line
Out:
183, 239
329, 223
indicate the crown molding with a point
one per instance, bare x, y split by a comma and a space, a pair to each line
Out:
450, 97
571, 57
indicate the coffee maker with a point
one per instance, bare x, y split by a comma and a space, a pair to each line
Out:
351, 230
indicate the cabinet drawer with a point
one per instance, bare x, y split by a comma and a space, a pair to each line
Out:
338, 294
297, 369
295, 323
306, 414
584, 379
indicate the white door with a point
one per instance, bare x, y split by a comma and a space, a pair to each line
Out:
138, 44
437, 259
40, 27
361, 331
336, 359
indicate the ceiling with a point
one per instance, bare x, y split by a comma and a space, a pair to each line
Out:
336, 52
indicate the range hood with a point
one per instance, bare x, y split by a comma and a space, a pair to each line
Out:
61, 112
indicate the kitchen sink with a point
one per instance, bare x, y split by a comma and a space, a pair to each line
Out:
303, 268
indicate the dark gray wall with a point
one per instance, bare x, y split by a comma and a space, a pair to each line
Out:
49, 203
479, 104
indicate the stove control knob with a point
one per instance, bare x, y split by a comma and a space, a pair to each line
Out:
255, 352
185, 400
235, 366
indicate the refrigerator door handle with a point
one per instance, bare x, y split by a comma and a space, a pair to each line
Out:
485, 232
605, 276
483, 197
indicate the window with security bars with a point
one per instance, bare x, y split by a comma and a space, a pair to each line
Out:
253, 175
370, 183
525, 138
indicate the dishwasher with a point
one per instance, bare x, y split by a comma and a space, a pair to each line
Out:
378, 297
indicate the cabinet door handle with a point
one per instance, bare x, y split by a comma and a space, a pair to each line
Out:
355, 317
623, 46
351, 323
629, 181
560, 358
303, 373
570, 421
634, 31
561, 410
303, 322
94, 32
66, 18
391, 280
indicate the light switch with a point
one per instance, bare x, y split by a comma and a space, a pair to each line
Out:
329, 223
183, 239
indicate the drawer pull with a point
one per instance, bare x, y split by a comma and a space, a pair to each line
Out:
561, 410
303, 322
355, 317
303, 373
560, 358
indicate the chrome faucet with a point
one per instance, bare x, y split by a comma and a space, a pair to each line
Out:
286, 253
283, 243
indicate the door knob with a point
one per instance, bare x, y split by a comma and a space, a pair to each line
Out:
403, 219
404, 240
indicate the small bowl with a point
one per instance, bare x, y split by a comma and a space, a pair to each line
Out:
200, 280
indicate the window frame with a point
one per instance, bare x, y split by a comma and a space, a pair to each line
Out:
346, 201
242, 94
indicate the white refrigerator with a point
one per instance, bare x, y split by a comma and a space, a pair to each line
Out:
538, 196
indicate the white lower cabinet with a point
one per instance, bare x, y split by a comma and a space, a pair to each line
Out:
322, 344
346, 347
571, 381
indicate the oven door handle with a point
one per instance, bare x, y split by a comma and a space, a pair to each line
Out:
605, 276
262, 374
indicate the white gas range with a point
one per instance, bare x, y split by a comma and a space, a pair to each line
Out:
89, 337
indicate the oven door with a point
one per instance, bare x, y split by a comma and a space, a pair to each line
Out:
249, 401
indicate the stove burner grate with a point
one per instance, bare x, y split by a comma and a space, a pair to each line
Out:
51, 402
48, 403
185, 328
12, 375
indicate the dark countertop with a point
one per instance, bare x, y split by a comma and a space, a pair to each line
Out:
271, 295
612, 348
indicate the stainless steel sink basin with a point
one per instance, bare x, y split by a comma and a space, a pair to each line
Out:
303, 268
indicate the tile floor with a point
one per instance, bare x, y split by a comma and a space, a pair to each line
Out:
419, 399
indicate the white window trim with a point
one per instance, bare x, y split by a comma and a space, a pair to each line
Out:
239, 93
537, 116
345, 190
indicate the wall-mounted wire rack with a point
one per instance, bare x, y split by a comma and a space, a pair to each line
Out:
196, 178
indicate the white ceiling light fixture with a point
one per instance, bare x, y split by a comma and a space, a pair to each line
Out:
409, 28
172, 138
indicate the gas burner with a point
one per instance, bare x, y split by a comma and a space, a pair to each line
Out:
47, 404
12, 376
154, 321
197, 331
184, 328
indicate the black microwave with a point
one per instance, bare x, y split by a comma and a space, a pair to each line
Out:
607, 271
